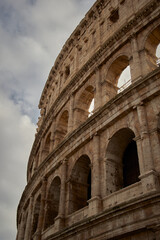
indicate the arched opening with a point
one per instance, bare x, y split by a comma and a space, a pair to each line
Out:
130, 164
53, 202
152, 48
85, 105
36, 215
118, 76
62, 126
80, 184
46, 148
122, 167
124, 80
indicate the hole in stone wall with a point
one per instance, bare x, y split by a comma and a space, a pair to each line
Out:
114, 16
67, 71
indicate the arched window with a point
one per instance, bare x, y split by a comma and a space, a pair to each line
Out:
124, 80
80, 184
36, 214
122, 167
62, 126
85, 105
53, 199
152, 48
119, 75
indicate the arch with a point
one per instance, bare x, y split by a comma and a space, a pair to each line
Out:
80, 184
114, 74
62, 126
53, 200
151, 43
36, 213
82, 109
47, 144
122, 167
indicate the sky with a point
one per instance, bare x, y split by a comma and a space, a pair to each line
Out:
32, 33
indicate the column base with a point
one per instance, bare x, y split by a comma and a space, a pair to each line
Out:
150, 181
59, 223
95, 205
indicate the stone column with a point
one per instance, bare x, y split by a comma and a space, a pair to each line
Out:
71, 114
41, 214
52, 136
59, 220
21, 228
145, 140
98, 93
28, 229
41, 151
135, 64
95, 201
149, 178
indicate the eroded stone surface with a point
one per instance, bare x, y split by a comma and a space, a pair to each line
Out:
94, 174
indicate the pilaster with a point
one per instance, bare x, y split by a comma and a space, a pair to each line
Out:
95, 201
28, 231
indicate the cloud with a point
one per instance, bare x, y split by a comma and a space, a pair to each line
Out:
17, 134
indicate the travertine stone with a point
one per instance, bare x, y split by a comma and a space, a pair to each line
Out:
96, 175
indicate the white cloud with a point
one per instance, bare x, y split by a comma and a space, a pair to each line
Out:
17, 135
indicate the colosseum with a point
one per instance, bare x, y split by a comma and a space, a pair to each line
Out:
94, 168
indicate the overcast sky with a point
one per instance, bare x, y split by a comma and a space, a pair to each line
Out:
32, 33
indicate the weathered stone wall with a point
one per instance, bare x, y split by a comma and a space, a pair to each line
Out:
96, 175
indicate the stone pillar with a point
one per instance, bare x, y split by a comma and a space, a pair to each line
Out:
52, 136
148, 64
135, 64
28, 229
41, 214
149, 178
41, 151
21, 228
71, 114
98, 93
60, 219
95, 201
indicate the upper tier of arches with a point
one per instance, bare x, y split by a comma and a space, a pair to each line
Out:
103, 28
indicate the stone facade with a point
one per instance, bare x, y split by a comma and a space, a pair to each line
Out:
96, 175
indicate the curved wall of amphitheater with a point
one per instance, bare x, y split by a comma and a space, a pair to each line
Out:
96, 174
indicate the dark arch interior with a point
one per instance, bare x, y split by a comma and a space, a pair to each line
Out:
130, 165
36, 215
80, 184
122, 166
53, 202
